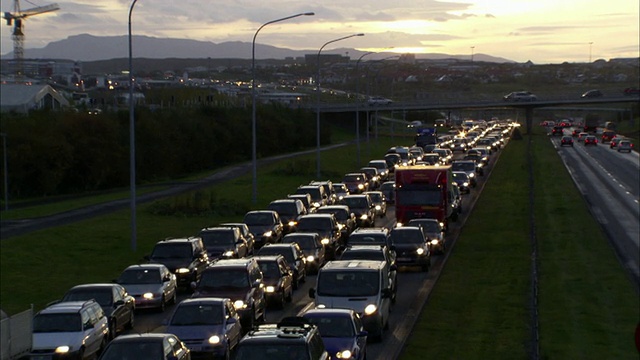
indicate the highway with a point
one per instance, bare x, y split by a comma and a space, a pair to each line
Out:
610, 183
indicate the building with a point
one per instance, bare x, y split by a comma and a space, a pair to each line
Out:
22, 98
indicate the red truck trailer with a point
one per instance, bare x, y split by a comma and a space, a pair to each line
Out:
424, 191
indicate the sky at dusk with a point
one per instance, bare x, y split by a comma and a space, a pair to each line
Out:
543, 31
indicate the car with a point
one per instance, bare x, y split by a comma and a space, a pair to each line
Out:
379, 202
327, 226
566, 141
278, 279
356, 183
590, 140
434, 231
575, 132
459, 144
520, 96
468, 166
153, 286
485, 154
364, 209
360, 285
411, 246
294, 256
224, 242
393, 161
341, 330
615, 140
372, 176
239, 280
388, 188
378, 253
557, 130
265, 225
340, 190
446, 155
625, 145
607, 135
148, 346
594, 93
328, 189
290, 211
378, 100
631, 91
245, 232
69, 330
306, 201
430, 159
345, 218
582, 135
318, 194
209, 327
291, 338
117, 304
456, 200
462, 179
485, 143
185, 257
312, 247
383, 168
370, 236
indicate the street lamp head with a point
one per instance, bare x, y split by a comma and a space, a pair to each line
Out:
311, 13
361, 34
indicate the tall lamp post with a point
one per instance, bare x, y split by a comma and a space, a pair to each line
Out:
472, 48
132, 140
590, 44
254, 165
318, 100
6, 176
358, 103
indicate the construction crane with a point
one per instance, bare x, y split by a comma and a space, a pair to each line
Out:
17, 18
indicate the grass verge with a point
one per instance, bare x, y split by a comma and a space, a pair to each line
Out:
480, 307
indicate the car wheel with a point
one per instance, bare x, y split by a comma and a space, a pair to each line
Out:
113, 329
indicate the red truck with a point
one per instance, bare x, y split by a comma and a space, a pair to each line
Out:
424, 191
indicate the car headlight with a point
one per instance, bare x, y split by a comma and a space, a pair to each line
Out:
364, 217
399, 224
215, 339
148, 296
378, 207
270, 289
268, 233
360, 186
434, 242
311, 258
472, 175
292, 223
182, 271
321, 306
228, 253
62, 349
480, 165
420, 251
324, 241
465, 184
340, 226
239, 304
345, 354
370, 309
316, 204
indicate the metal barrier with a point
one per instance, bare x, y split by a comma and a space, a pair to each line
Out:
15, 335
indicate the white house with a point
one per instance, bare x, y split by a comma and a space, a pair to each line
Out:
22, 98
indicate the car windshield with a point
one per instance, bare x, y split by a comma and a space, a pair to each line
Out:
47, 323
140, 276
376, 197
429, 226
356, 202
333, 326
463, 166
197, 314
459, 175
258, 219
103, 296
340, 189
362, 255
313, 191
313, 223
283, 209
172, 251
409, 236
270, 269
224, 278
340, 214
305, 242
367, 239
353, 178
218, 238
140, 350
273, 250
275, 350
345, 282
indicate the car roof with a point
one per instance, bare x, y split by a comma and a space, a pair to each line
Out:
203, 301
242, 262
359, 264
145, 267
146, 337
330, 311
66, 307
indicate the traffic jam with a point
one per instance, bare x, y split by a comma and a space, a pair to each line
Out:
224, 292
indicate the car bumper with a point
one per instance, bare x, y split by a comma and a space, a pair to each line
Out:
142, 303
202, 351
413, 260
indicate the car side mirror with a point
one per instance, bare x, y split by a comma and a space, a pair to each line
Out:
256, 283
231, 320
118, 303
363, 333
312, 293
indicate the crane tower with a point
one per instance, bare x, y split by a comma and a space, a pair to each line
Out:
17, 18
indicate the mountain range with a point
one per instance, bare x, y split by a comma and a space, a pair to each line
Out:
85, 47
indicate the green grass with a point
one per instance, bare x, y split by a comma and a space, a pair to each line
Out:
39, 267
480, 307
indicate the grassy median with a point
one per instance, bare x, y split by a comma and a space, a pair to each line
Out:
481, 306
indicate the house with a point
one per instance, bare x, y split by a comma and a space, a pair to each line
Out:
22, 98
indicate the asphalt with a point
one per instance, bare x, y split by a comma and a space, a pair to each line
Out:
11, 228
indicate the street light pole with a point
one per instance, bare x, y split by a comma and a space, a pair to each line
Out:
590, 44
254, 165
473, 47
132, 140
318, 101
5, 168
358, 104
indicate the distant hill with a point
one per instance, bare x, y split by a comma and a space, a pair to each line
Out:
87, 47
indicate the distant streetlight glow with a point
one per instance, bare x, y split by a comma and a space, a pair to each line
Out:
318, 101
254, 165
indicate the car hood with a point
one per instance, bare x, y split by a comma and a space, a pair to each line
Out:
231, 293
335, 344
195, 332
406, 247
216, 251
258, 230
53, 340
139, 289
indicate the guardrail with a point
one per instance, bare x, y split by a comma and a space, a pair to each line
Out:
15, 335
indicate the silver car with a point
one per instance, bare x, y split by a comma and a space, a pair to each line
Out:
152, 285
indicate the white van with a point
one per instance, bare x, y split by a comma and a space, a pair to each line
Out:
361, 285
